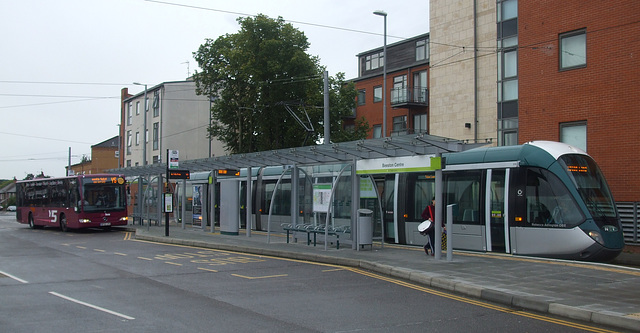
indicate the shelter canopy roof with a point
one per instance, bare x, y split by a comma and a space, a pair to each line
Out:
343, 152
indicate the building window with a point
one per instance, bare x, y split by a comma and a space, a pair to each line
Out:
377, 131
420, 87
399, 125
508, 132
422, 50
573, 50
575, 134
129, 113
377, 94
137, 108
137, 138
510, 63
156, 132
128, 163
374, 61
128, 142
361, 96
156, 103
420, 123
399, 92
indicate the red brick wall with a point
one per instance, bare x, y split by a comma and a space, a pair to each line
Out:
605, 94
372, 112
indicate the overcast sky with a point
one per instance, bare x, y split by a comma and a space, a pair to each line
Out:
64, 62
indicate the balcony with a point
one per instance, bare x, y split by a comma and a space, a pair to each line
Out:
409, 97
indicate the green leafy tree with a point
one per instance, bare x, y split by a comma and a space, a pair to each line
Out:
250, 74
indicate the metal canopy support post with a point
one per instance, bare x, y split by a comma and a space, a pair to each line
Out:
355, 202
294, 195
159, 207
184, 201
326, 223
212, 188
438, 217
248, 208
273, 199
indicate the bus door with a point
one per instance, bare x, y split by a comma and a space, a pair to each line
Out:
496, 210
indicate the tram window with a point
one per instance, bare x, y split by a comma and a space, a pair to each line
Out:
591, 184
421, 189
282, 203
463, 189
549, 203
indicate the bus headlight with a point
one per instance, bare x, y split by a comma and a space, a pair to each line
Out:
84, 220
596, 236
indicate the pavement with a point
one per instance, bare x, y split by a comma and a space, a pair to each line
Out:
603, 294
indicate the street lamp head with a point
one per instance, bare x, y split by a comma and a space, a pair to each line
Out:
380, 13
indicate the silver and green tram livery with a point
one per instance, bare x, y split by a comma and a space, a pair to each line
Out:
542, 198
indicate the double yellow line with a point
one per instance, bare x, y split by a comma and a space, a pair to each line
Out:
478, 302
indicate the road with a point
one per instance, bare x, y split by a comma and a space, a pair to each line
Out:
106, 281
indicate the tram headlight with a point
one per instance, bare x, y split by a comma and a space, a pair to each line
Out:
124, 218
596, 236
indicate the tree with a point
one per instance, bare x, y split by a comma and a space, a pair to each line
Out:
250, 74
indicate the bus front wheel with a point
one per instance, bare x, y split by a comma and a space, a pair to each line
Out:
63, 223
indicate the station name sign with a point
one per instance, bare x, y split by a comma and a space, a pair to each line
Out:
417, 163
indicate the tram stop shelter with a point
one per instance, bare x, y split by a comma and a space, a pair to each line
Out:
374, 156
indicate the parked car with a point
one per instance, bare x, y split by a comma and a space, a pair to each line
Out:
11, 209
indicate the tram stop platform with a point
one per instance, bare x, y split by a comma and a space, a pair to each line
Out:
605, 294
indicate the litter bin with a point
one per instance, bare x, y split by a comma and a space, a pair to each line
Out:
365, 227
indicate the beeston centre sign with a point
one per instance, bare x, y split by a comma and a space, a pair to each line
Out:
417, 163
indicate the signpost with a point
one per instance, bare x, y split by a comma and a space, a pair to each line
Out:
172, 173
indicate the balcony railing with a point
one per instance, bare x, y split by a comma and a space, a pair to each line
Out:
416, 96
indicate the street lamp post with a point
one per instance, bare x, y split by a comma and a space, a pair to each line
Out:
384, 74
144, 129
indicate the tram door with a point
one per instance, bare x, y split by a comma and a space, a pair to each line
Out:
480, 212
496, 212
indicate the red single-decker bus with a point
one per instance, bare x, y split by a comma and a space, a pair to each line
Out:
83, 201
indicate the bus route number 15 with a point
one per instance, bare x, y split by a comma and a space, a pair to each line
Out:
53, 214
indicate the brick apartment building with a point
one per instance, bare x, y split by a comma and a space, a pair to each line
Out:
407, 82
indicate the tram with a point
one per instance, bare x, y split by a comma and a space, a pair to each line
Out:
542, 198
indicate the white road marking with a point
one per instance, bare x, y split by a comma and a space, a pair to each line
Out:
91, 306
13, 277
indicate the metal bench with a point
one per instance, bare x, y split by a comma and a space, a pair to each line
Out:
311, 229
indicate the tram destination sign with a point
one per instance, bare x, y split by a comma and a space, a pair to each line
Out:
417, 163
178, 174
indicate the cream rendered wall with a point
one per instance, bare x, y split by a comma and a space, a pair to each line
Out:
185, 118
451, 87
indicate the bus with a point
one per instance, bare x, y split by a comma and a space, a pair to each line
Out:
75, 202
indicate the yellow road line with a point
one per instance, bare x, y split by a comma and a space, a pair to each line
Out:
208, 270
478, 302
120, 254
172, 263
98, 250
143, 258
259, 277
